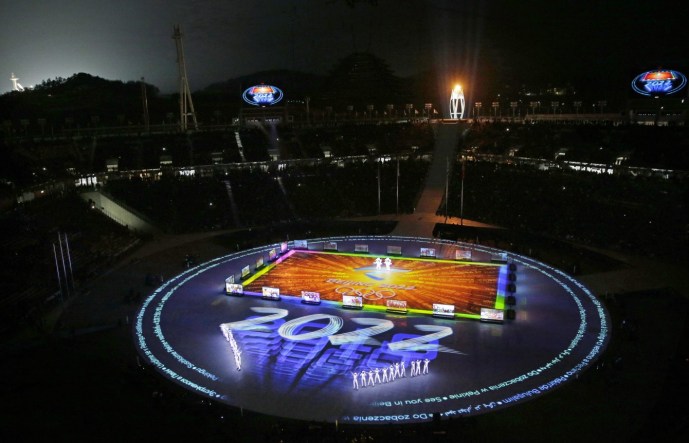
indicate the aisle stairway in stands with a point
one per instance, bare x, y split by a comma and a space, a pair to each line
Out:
119, 212
233, 204
293, 211
424, 218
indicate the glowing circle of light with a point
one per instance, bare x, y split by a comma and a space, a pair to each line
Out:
457, 103
165, 340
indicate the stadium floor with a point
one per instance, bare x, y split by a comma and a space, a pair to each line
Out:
322, 362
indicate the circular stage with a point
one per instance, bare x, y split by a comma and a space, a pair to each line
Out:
371, 329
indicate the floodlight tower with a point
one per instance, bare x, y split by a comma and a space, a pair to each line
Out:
186, 106
16, 86
457, 103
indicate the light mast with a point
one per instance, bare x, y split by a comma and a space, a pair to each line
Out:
186, 106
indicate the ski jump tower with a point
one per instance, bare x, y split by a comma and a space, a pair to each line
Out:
16, 86
457, 103
186, 106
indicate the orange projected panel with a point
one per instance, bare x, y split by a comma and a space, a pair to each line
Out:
420, 283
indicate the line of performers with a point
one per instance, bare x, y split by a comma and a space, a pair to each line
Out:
388, 374
229, 336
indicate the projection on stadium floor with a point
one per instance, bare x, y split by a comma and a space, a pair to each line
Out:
369, 337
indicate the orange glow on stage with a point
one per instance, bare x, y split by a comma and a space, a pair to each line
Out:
419, 282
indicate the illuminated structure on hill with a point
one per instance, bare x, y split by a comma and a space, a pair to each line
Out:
457, 103
16, 86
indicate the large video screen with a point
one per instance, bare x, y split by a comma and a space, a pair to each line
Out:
659, 82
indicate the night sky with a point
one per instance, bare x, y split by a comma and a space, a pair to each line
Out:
518, 41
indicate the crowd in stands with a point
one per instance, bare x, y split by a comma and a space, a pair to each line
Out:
638, 215
236, 198
30, 161
633, 210
258, 197
347, 140
255, 197
642, 214
351, 189
637, 145
176, 204
34, 236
